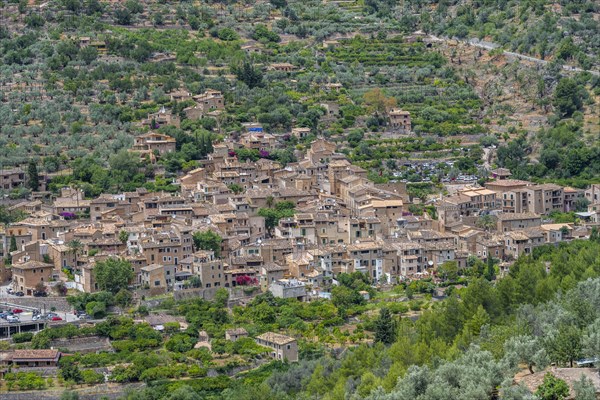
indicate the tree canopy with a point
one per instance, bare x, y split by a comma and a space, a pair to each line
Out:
113, 274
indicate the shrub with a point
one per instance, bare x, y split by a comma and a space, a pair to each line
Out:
24, 381
22, 337
92, 377
180, 343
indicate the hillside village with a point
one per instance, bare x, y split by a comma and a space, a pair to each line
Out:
341, 222
288, 231
286, 200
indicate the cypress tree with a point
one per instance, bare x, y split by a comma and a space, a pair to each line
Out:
34, 179
13, 243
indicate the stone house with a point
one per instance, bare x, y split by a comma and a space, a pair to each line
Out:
11, 178
515, 221
282, 347
29, 274
31, 358
235, 334
399, 120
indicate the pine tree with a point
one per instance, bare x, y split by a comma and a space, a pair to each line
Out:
385, 327
249, 74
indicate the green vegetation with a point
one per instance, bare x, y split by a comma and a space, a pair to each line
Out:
24, 381
80, 115
479, 333
69, 112
208, 240
565, 155
113, 274
278, 210
552, 388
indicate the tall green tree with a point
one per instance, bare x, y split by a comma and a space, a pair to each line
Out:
208, 240
490, 272
486, 222
113, 274
33, 177
13, 244
249, 74
525, 349
385, 327
566, 345
69, 370
568, 97
123, 236
282, 209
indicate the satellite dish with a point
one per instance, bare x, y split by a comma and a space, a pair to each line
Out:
430, 263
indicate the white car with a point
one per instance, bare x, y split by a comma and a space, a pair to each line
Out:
12, 318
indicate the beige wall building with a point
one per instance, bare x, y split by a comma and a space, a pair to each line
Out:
11, 178
543, 199
514, 222
154, 142
27, 275
282, 347
153, 276
209, 268
523, 242
282, 67
399, 120
235, 334
210, 100
506, 185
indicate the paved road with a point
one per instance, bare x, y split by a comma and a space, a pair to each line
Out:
491, 46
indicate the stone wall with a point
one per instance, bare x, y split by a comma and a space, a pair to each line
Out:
235, 293
41, 303
109, 391
206, 294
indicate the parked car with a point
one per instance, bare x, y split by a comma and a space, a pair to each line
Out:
9, 291
17, 311
84, 316
36, 317
20, 294
4, 315
12, 319
56, 318
40, 294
